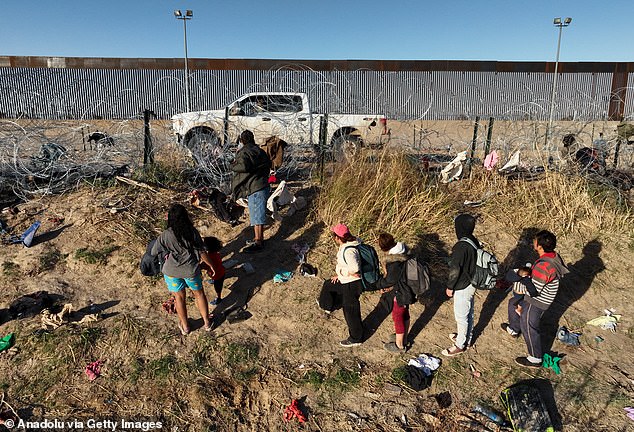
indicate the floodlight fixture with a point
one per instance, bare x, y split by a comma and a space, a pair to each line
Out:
177, 13
190, 14
567, 20
556, 21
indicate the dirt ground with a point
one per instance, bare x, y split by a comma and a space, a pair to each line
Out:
241, 376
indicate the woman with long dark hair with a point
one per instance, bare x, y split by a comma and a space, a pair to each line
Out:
185, 250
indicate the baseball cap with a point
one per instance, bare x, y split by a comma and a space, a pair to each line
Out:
340, 229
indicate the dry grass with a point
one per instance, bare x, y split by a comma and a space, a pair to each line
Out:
389, 194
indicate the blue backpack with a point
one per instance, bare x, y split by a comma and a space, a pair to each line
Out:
370, 271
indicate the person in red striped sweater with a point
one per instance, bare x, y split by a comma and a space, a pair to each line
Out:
542, 284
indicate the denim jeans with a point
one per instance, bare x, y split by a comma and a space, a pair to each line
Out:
463, 312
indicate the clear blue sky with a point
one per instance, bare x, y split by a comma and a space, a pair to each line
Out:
521, 30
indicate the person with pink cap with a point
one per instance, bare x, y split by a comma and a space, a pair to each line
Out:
345, 287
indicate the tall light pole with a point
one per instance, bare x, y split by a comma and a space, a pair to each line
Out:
558, 23
187, 16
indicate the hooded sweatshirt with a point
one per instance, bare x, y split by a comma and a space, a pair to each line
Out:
394, 263
544, 280
251, 171
462, 262
348, 262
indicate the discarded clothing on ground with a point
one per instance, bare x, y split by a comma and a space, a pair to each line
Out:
428, 364
551, 362
416, 378
7, 342
568, 337
26, 238
606, 322
630, 412
93, 370
282, 196
453, 170
214, 200
52, 321
282, 276
306, 269
491, 160
30, 305
526, 408
294, 411
169, 306
301, 250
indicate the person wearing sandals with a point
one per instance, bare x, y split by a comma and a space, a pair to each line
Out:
462, 267
182, 269
397, 256
346, 286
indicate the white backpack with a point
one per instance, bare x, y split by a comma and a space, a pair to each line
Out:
487, 268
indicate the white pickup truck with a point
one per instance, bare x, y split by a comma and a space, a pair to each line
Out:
284, 115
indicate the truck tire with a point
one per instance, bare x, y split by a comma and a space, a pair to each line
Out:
204, 145
345, 147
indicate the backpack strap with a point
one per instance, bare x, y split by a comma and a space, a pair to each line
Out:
468, 240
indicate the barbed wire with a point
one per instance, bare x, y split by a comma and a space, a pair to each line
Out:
43, 156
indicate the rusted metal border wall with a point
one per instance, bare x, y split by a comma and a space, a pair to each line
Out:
84, 88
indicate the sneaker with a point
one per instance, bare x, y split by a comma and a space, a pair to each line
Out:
392, 347
509, 330
255, 247
326, 311
523, 361
453, 351
249, 242
216, 301
349, 343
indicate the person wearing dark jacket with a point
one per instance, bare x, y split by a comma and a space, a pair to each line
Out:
397, 256
251, 168
462, 266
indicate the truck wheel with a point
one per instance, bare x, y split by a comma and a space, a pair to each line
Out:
345, 147
204, 145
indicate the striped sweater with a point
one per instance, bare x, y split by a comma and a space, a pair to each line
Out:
543, 284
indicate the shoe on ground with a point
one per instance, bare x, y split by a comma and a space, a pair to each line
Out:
249, 242
523, 361
453, 351
216, 301
255, 247
509, 330
349, 343
392, 347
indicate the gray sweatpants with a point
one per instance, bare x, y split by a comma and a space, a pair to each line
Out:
528, 325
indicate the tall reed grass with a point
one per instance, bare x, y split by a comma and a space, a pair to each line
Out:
391, 194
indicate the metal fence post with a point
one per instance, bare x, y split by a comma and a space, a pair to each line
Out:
473, 142
148, 147
487, 145
323, 135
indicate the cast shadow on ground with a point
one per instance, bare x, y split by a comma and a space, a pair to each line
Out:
49, 235
571, 288
265, 266
521, 254
431, 249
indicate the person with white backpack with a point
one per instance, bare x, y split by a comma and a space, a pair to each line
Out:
462, 269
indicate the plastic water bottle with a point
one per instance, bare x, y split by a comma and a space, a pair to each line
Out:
492, 415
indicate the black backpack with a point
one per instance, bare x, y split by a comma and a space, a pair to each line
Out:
370, 271
152, 265
415, 276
